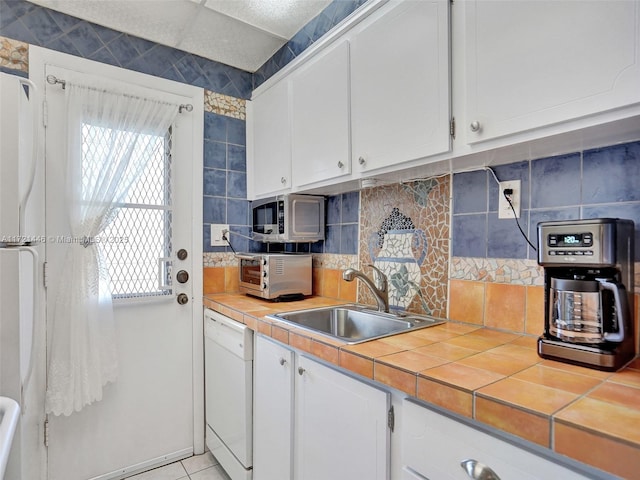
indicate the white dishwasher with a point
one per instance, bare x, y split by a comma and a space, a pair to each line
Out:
228, 357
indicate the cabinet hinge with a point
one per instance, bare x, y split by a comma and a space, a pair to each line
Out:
452, 128
45, 274
46, 432
391, 418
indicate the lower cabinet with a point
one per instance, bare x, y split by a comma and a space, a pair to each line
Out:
435, 446
312, 422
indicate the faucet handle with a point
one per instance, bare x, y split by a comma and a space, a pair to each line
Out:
380, 277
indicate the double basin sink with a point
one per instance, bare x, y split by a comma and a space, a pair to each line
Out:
353, 323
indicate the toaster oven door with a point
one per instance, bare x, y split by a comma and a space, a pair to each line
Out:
251, 272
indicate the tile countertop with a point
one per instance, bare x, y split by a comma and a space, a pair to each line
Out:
492, 376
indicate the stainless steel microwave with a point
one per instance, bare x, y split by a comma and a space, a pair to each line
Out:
275, 276
288, 218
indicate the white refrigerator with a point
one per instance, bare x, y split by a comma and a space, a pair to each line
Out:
22, 325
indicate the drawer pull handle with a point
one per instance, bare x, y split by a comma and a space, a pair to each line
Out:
477, 470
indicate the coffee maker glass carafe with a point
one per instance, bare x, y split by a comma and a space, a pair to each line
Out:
587, 311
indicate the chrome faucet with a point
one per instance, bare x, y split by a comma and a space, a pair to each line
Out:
380, 289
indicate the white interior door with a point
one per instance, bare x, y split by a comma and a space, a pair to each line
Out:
153, 413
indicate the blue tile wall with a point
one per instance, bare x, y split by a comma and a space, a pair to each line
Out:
333, 14
343, 217
36, 25
603, 182
225, 180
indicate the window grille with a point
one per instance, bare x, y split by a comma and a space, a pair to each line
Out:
137, 242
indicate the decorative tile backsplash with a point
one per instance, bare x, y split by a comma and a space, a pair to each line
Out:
404, 231
14, 55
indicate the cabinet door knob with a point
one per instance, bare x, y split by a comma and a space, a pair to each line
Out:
475, 126
477, 470
282, 361
283, 180
361, 161
300, 370
340, 164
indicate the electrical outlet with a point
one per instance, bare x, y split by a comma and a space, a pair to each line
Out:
216, 235
504, 209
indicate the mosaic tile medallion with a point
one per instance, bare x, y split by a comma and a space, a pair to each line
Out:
398, 250
14, 54
404, 231
224, 105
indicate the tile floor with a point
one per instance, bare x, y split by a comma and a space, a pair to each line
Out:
199, 467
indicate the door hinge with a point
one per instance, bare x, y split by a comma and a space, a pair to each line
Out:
45, 113
46, 432
45, 274
452, 128
391, 418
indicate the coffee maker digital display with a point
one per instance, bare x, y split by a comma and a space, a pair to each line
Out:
589, 285
570, 240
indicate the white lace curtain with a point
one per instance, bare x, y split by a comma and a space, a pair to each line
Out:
99, 173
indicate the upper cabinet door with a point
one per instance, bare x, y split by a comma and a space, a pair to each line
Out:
320, 117
400, 100
535, 63
269, 155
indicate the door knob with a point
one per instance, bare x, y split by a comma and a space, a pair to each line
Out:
475, 126
300, 370
361, 161
182, 299
282, 361
182, 254
182, 276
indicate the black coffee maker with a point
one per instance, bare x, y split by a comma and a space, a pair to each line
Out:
588, 291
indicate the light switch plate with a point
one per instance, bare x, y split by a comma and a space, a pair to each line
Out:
216, 235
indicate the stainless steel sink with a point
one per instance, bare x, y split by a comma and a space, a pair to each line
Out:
353, 323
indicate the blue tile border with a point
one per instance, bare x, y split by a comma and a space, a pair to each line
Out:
331, 16
36, 25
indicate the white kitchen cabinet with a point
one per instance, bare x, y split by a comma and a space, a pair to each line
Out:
400, 100
320, 117
435, 445
340, 426
339, 423
272, 411
269, 141
530, 64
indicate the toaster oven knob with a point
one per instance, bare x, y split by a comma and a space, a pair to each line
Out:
264, 286
264, 274
264, 261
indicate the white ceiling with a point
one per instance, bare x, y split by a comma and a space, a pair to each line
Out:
240, 33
